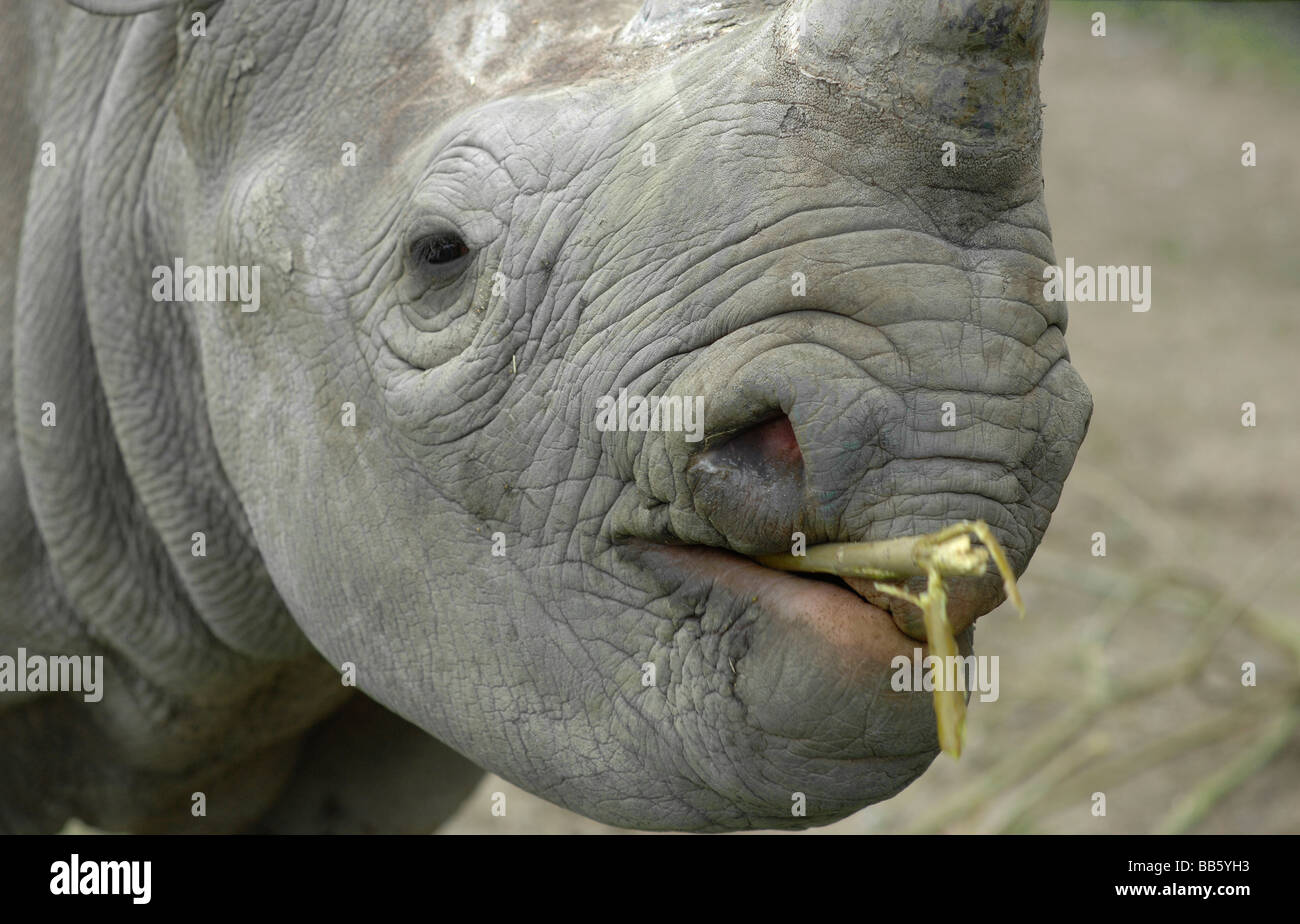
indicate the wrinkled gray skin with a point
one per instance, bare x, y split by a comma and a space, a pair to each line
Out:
788, 138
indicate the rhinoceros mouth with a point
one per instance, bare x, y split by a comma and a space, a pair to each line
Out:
806, 594
759, 469
824, 606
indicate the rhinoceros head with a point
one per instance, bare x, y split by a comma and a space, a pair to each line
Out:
486, 233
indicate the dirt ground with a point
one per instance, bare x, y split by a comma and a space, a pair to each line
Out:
1126, 679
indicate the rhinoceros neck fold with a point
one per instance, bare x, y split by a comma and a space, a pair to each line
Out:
145, 539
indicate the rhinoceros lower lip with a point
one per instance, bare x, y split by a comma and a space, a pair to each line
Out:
858, 629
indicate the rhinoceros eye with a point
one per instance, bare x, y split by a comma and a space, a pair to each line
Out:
439, 249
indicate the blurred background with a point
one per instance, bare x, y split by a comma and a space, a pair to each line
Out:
1126, 678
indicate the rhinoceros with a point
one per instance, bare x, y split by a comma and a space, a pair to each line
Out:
336, 337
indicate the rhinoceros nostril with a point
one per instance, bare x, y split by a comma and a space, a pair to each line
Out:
775, 442
768, 450
750, 487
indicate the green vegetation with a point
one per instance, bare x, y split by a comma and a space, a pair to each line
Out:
1229, 39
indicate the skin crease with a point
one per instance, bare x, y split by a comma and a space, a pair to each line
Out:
523, 129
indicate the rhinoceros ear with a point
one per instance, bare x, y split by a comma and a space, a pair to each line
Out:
674, 22
121, 7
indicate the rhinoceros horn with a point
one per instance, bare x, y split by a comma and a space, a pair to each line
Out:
673, 22
968, 68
